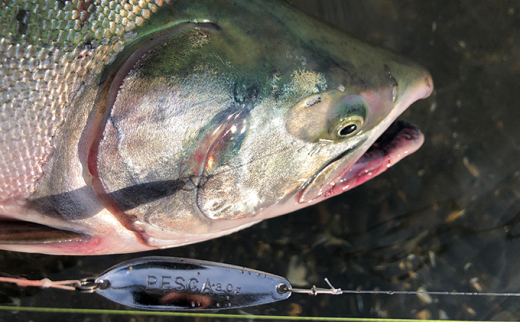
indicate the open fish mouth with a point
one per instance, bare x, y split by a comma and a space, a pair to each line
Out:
398, 133
399, 140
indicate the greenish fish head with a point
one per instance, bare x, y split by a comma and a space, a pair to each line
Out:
211, 127
351, 136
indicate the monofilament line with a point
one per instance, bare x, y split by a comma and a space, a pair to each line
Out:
428, 293
338, 291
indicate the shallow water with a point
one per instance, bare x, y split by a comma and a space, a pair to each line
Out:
443, 219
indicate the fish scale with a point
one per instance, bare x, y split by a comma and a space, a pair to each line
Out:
48, 49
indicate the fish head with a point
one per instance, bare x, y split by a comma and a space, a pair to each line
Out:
213, 127
214, 116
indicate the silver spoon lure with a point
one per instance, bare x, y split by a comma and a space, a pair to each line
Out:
181, 284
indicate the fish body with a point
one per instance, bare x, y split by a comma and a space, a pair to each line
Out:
130, 126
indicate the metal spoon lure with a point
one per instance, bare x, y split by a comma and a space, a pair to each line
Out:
180, 284
176, 284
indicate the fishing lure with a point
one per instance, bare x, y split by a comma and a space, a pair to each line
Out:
181, 284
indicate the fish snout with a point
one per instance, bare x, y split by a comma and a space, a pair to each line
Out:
415, 84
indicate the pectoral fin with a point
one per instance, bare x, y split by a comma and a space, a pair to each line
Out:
26, 233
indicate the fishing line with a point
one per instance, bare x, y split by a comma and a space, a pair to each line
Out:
338, 291
189, 285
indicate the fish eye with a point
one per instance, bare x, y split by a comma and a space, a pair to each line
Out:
347, 130
349, 126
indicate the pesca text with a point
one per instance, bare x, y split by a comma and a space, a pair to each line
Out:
190, 285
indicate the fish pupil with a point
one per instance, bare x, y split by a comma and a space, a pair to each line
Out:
348, 130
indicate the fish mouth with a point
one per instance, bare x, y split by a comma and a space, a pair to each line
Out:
399, 140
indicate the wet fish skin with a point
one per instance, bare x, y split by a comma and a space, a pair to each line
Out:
136, 153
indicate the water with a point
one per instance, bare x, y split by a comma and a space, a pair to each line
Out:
443, 219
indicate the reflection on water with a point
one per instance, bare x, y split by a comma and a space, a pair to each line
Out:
445, 218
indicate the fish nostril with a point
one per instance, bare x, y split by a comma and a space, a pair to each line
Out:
428, 82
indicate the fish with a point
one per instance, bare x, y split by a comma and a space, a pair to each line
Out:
136, 125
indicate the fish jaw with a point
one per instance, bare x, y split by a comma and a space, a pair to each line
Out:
376, 161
